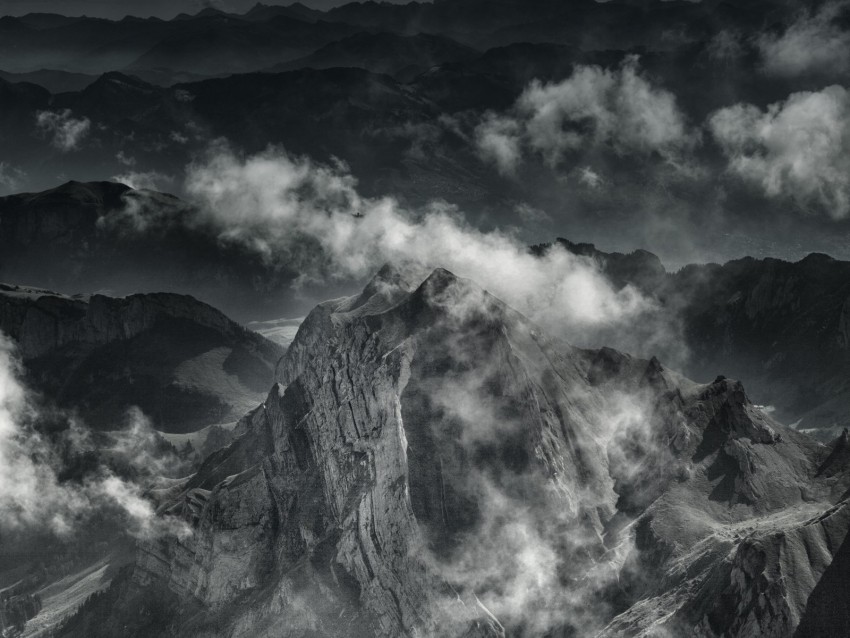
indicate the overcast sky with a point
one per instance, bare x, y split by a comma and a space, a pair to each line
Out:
144, 8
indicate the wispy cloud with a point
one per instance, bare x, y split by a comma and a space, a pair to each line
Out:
32, 496
619, 109
67, 131
815, 43
153, 180
279, 206
798, 148
11, 178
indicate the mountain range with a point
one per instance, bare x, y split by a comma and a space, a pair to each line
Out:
282, 353
366, 496
395, 91
779, 326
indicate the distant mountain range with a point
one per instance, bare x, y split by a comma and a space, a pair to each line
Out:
216, 42
395, 91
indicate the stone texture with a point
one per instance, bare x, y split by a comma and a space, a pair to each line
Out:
347, 493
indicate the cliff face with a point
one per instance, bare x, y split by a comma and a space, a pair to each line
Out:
354, 475
430, 464
781, 327
183, 362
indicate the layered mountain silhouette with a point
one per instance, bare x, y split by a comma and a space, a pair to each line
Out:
777, 325
445, 59
240, 42
427, 455
404, 57
75, 235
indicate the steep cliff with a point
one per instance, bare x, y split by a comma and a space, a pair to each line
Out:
183, 362
430, 464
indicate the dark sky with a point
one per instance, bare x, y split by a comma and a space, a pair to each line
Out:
162, 8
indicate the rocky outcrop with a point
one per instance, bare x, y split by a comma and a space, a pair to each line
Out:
430, 463
183, 362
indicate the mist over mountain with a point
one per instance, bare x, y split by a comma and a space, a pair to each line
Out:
442, 522
675, 128
464, 318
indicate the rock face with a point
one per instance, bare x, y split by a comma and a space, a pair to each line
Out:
430, 464
781, 327
183, 362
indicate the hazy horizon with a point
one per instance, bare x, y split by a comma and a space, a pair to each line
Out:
165, 9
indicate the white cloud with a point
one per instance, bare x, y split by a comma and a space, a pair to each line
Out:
531, 215
527, 559
814, 43
617, 109
499, 139
11, 178
67, 131
31, 494
152, 180
126, 160
276, 204
798, 148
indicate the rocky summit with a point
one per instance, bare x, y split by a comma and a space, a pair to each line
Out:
430, 463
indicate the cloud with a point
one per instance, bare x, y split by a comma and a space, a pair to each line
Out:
814, 43
530, 214
617, 109
532, 556
726, 47
68, 132
312, 217
589, 177
11, 178
31, 494
499, 139
151, 180
126, 160
798, 148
